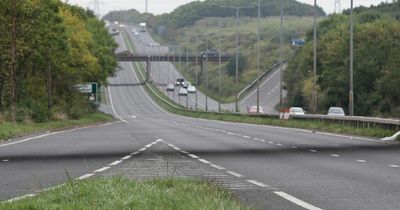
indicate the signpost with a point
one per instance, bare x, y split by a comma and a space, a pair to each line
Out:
89, 88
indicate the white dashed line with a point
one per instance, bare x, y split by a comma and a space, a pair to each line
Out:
126, 157
135, 153
247, 137
394, 166
270, 142
294, 147
362, 161
193, 156
102, 169
184, 152
85, 176
279, 144
262, 140
257, 183
176, 148
312, 150
6, 160
143, 149
171, 145
234, 173
115, 163
230, 133
217, 167
335, 155
204, 161
296, 201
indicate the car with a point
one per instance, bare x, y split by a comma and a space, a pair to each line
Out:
180, 82
182, 92
170, 87
136, 33
122, 25
210, 53
114, 31
191, 89
296, 111
336, 111
253, 110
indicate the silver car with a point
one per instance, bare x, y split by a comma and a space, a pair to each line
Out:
170, 87
183, 92
336, 111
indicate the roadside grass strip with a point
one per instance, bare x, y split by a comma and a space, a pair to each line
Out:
122, 193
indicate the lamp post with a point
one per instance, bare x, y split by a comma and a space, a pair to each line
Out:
258, 55
219, 66
281, 61
206, 65
351, 93
315, 59
196, 70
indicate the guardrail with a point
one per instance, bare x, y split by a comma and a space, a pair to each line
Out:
354, 121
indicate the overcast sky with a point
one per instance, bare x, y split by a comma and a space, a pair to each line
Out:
166, 6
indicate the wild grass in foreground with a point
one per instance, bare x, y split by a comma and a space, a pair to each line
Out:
121, 193
9, 130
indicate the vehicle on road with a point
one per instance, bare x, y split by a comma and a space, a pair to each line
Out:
191, 89
211, 53
142, 27
336, 111
180, 82
183, 92
296, 111
253, 110
114, 31
170, 87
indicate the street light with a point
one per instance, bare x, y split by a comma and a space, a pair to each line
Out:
258, 55
219, 66
351, 93
281, 61
315, 59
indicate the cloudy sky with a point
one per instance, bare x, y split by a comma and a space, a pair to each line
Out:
166, 6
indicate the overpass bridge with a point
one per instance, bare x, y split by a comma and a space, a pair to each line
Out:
127, 56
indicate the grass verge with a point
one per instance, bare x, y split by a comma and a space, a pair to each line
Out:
9, 130
121, 193
170, 106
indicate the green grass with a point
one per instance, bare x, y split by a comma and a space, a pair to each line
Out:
9, 130
170, 106
121, 193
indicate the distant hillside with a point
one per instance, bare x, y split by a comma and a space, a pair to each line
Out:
131, 16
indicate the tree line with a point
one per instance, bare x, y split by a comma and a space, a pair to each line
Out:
46, 48
376, 63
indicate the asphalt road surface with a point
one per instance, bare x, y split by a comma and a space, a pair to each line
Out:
267, 167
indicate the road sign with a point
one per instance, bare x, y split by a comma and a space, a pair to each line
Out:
90, 88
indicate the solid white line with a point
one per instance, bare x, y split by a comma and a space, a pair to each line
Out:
19, 198
204, 161
217, 167
184, 152
112, 105
234, 173
85, 176
193, 156
171, 145
158, 140
296, 201
126, 157
335, 155
176, 148
102, 169
115, 162
257, 183
312, 150
361, 161
269, 78
394, 166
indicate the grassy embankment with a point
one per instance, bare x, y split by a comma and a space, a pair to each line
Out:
9, 130
172, 107
120, 193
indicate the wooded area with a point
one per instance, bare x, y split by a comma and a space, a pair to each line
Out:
46, 48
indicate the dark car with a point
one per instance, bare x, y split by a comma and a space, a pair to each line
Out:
180, 82
211, 53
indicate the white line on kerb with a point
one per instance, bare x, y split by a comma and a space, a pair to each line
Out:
217, 167
193, 156
234, 173
296, 201
257, 183
204, 161
85, 176
102, 169
115, 162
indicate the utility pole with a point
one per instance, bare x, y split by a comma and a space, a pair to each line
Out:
206, 64
351, 93
315, 59
237, 59
196, 70
281, 61
258, 55
219, 66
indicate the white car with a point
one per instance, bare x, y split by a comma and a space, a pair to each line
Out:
336, 111
183, 92
170, 87
191, 89
253, 110
296, 111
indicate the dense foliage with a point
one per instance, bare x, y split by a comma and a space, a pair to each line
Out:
55, 46
376, 63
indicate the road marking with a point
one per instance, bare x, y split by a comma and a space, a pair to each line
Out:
112, 106
312, 150
362, 161
262, 140
279, 144
247, 137
143, 149
126, 157
19, 198
217, 167
294, 147
193, 156
85, 176
135, 153
184, 152
204, 161
234, 173
296, 201
6, 160
257, 183
158, 140
115, 162
102, 169
171, 145
394, 166
177, 148
335, 155
133, 116
229, 133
